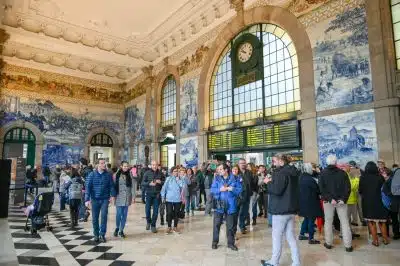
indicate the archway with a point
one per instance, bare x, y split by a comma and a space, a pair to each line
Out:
104, 143
101, 146
23, 132
282, 19
20, 143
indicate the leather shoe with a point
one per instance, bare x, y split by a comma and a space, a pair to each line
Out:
214, 246
327, 246
233, 247
350, 249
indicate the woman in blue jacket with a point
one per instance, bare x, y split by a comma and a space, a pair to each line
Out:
171, 194
225, 191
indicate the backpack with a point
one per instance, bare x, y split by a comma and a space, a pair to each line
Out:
75, 190
386, 200
395, 188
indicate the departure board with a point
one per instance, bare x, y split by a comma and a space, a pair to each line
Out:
275, 135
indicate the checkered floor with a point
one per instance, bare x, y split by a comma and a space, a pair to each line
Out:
35, 250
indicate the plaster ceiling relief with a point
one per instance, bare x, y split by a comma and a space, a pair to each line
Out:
25, 52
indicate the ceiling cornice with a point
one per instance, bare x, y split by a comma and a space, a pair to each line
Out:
55, 77
25, 52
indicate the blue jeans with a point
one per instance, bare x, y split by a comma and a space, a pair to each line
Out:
152, 200
143, 194
122, 213
254, 205
82, 207
243, 213
284, 224
308, 227
97, 207
270, 219
190, 201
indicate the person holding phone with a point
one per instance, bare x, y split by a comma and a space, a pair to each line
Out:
225, 190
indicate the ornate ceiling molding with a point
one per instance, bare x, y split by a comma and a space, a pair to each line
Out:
25, 52
195, 62
24, 83
54, 77
75, 34
57, 98
328, 10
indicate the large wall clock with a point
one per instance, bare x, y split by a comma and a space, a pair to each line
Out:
247, 60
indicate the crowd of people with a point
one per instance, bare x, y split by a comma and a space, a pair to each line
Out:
343, 196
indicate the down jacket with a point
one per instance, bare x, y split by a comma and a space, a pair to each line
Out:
228, 197
99, 186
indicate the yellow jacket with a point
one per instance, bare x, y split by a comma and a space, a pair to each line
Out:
354, 183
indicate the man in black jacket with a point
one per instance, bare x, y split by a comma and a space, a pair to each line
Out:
283, 190
335, 188
152, 182
246, 179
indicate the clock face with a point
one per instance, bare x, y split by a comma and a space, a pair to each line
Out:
244, 52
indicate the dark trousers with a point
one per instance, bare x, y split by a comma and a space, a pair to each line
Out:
308, 226
152, 201
162, 211
74, 210
173, 209
62, 201
394, 216
244, 213
230, 230
143, 194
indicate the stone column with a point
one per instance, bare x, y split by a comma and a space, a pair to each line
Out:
383, 65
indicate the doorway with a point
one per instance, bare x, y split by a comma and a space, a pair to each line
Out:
101, 146
168, 152
20, 143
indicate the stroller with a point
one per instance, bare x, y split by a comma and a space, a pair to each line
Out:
37, 213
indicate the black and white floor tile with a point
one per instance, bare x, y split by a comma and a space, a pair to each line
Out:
78, 242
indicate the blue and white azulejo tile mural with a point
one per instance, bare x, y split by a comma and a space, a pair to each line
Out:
61, 155
134, 122
341, 60
189, 152
350, 136
188, 106
59, 122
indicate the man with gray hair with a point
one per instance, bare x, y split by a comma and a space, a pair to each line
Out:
335, 189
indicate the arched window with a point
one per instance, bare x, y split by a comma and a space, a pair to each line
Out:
168, 102
101, 140
396, 28
275, 88
20, 134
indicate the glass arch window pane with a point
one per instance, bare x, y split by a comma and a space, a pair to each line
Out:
273, 95
168, 102
395, 4
221, 91
280, 92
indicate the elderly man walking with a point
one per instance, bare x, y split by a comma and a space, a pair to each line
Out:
335, 188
